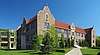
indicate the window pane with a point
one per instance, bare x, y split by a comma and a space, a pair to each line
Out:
12, 34
11, 45
4, 33
4, 44
12, 39
4, 39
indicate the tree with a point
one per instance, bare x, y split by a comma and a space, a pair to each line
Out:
72, 43
62, 43
86, 44
80, 43
37, 40
83, 43
53, 37
35, 43
98, 41
46, 43
68, 42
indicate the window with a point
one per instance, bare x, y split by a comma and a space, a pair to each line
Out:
12, 39
93, 35
46, 17
4, 39
82, 35
78, 34
59, 30
4, 44
12, 34
32, 26
93, 41
69, 32
4, 33
72, 33
47, 25
11, 45
65, 31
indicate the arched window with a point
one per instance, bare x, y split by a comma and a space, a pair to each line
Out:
46, 17
93, 41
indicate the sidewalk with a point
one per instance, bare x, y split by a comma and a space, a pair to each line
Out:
74, 51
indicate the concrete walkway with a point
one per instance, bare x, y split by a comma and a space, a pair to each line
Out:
74, 51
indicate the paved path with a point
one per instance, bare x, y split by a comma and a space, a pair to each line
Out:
74, 51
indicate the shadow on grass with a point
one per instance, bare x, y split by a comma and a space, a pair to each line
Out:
16, 50
60, 50
86, 54
13, 49
36, 53
98, 53
40, 53
96, 47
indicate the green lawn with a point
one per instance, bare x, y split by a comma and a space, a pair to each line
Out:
67, 49
25, 52
90, 51
30, 52
57, 53
14, 52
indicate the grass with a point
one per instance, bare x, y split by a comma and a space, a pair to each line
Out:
90, 51
14, 52
26, 52
57, 53
30, 52
67, 49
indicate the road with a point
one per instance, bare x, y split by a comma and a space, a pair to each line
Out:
74, 51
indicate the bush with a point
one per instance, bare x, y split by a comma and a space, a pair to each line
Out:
98, 42
72, 43
83, 43
62, 44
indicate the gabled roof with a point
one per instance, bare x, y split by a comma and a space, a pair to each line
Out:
61, 25
30, 20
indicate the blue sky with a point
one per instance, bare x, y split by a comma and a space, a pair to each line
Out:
83, 13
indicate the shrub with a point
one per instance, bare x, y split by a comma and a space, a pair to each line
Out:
46, 43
